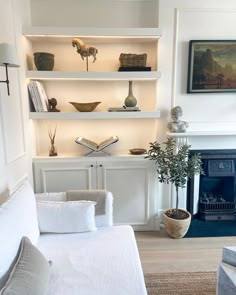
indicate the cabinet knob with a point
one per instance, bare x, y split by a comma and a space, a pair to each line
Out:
91, 165
100, 165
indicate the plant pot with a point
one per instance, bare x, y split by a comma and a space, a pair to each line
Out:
176, 228
44, 61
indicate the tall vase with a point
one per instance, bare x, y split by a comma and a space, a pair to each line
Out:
130, 100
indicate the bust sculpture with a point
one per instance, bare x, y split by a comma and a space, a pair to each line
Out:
177, 125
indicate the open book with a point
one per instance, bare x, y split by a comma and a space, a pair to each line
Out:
94, 146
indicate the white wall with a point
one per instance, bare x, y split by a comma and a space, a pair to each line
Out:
181, 21
184, 20
14, 145
90, 13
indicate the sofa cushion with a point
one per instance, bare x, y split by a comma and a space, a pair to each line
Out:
101, 220
98, 196
18, 218
66, 217
104, 262
30, 274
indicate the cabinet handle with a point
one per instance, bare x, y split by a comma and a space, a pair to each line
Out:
91, 165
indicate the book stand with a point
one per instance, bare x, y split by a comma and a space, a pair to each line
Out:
96, 150
93, 153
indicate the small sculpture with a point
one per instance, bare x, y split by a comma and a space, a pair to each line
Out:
84, 50
177, 125
52, 151
52, 102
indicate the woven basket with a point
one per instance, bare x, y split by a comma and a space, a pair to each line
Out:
132, 60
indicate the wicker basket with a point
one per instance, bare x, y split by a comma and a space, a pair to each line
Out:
132, 60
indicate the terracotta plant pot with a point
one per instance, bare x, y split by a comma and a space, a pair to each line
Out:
176, 228
44, 61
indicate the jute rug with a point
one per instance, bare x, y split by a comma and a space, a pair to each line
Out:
181, 283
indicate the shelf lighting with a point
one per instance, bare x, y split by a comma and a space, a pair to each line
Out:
8, 58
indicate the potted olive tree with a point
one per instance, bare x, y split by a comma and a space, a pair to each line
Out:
174, 165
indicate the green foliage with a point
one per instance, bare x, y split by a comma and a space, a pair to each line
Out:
173, 163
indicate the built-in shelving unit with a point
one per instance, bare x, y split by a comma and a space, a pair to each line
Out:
69, 81
129, 177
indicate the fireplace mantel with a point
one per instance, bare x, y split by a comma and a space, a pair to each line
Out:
207, 139
203, 133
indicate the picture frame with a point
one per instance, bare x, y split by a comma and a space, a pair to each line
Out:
211, 66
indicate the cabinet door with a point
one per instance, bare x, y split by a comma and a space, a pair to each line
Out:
132, 185
58, 176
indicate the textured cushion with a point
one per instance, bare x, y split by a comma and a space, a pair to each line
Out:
30, 274
18, 218
98, 196
66, 217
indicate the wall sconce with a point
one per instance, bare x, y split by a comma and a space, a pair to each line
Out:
8, 58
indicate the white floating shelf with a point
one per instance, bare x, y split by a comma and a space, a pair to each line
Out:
93, 115
61, 75
95, 32
203, 133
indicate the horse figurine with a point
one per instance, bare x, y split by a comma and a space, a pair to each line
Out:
83, 49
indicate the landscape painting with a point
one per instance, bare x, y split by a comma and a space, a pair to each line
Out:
212, 66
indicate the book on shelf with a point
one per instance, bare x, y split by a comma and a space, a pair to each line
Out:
134, 69
94, 146
38, 96
124, 109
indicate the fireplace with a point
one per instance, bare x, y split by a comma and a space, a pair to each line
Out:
213, 196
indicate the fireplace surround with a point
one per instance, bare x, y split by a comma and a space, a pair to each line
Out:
208, 139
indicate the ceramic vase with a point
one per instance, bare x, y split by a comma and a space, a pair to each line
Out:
44, 61
130, 100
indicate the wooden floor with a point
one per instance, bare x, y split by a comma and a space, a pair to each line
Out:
159, 253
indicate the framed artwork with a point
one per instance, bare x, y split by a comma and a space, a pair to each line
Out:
212, 66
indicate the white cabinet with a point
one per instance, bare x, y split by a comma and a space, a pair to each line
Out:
130, 180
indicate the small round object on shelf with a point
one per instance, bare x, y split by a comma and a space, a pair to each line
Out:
138, 151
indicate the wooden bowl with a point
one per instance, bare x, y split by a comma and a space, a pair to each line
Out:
85, 107
138, 151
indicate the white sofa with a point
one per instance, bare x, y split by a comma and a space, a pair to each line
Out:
104, 261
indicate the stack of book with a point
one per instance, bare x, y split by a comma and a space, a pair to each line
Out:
124, 109
38, 96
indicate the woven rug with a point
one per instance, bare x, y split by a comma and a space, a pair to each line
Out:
181, 283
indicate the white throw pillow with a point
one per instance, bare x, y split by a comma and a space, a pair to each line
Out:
66, 217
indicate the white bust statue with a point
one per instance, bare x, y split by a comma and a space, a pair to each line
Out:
177, 125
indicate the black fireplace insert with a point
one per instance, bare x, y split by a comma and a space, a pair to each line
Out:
217, 186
